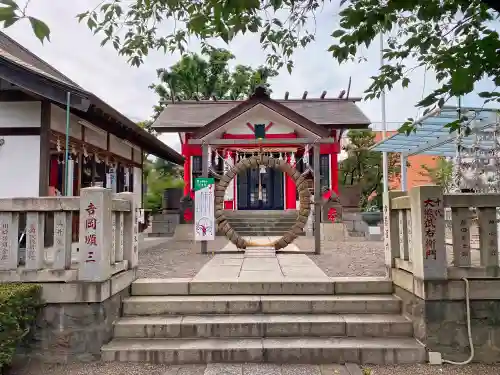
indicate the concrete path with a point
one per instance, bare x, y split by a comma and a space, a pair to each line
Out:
260, 264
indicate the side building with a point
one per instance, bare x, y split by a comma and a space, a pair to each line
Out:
237, 124
38, 104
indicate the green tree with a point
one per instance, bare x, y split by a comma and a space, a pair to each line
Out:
440, 174
455, 39
208, 76
157, 183
158, 174
364, 167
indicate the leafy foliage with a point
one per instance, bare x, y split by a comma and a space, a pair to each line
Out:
10, 13
19, 305
280, 36
160, 175
208, 76
441, 174
455, 39
364, 167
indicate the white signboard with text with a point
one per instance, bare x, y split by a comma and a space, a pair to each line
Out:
204, 203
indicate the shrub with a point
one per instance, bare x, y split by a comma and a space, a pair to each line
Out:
19, 304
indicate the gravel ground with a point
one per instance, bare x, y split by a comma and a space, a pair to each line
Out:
119, 368
350, 258
183, 258
176, 258
472, 369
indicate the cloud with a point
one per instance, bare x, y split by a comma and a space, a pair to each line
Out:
76, 52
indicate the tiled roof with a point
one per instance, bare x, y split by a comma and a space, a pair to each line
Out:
193, 114
13, 51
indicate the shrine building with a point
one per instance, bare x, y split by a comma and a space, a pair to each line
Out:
244, 128
56, 137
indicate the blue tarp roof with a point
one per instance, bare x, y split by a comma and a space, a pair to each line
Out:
432, 138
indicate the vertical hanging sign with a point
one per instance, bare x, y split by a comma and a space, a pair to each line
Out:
229, 193
204, 202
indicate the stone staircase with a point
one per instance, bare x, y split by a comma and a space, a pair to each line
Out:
262, 223
178, 321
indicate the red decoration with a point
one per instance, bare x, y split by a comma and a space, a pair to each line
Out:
188, 214
332, 214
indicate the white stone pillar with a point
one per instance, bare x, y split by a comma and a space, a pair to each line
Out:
9, 245
95, 234
35, 225
391, 228
429, 249
130, 231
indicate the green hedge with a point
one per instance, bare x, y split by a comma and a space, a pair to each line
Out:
19, 304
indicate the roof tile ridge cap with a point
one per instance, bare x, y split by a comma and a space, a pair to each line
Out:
207, 102
318, 100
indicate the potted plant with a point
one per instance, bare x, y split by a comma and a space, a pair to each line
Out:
372, 216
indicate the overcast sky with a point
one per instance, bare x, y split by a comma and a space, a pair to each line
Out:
76, 52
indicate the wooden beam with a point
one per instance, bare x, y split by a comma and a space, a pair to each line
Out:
323, 94
317, 200
44, 171
304, 95
258, 142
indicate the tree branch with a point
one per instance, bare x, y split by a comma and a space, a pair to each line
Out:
493, 4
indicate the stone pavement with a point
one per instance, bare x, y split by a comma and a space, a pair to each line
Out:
260, 264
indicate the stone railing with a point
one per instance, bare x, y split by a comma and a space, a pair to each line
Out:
427, 273
415, 233
67, 239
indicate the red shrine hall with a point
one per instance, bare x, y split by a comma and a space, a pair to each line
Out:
242, 122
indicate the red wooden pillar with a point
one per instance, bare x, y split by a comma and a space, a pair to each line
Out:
290, 191
334, 162
187, 167
334, 174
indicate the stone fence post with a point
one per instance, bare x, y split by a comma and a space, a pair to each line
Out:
391, 229
428, 232
95, 234
131, 231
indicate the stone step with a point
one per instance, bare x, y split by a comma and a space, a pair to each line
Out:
262, 226
261, 213
271, 325
254, 220
327, 286
272, 350
263, 233
271, 304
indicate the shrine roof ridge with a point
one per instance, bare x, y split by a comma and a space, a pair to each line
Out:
338, 112
297, 100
